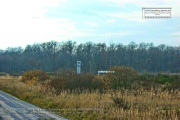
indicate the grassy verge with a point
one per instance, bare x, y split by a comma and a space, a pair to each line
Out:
118, 104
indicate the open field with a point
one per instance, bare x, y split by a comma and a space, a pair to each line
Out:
153, 103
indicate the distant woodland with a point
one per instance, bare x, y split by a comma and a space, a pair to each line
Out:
52, 56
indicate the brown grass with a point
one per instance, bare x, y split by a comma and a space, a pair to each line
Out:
153, 103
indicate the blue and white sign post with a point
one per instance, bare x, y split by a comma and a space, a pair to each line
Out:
78, 67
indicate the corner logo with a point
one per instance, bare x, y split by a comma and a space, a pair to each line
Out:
156, 13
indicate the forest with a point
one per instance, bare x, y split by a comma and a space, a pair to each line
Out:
44, 74
53, 56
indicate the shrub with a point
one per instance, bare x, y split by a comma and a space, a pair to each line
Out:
3, 74
123, 77
120, 103
69, 80
165, 79
34, 76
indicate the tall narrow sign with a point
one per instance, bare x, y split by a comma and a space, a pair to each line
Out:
78, 67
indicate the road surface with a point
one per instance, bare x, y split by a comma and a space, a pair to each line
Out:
12, 108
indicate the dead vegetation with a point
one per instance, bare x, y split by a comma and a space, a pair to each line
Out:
141, 103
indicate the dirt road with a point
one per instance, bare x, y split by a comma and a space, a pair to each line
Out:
12, 108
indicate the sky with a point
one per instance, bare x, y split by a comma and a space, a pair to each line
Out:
24, 22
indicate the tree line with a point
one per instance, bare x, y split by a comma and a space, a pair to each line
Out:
52, 56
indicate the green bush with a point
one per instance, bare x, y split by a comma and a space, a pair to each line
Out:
168, 81
34, 76
164, 79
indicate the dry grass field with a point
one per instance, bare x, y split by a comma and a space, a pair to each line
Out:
144, 104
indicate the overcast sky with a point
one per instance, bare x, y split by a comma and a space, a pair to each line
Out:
25, 22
